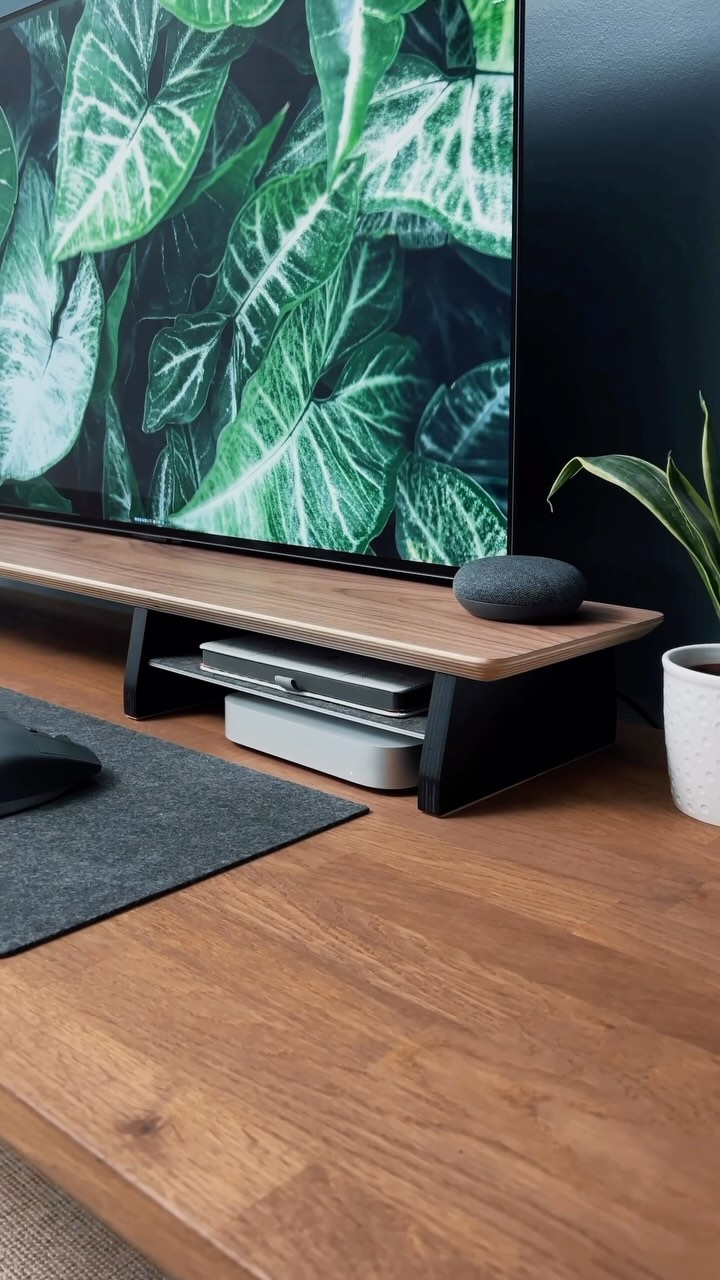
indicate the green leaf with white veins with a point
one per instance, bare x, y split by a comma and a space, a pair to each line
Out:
412, 231
362, 299
443, 517
8, 176
441, 32
182, 466
36, 495
191, 242
214, 15
493, 24
42, 37
110, 341
118, 179
443, 148
466, 426
371, 284
435, 145
283, 244
234, 123
121, 495
183, 360
172, 256
286, 241
48, 353
320, 472
353, 43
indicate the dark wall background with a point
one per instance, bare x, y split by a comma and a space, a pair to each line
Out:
620, 302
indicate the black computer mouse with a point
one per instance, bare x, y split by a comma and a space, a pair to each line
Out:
36, 767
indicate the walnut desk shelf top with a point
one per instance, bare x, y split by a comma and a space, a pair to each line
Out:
409, 622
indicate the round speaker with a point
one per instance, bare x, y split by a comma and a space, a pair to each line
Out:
520, 589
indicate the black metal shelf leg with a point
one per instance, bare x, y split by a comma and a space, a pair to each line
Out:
485, 736
150, 691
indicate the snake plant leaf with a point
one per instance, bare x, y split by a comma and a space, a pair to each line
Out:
312, 471
697, 514
48, 348
353, 44
110, 340
711, 463
8, 176
650, 486
643, 480
215, 15
121, 496
183, 360
43, 38
35, 495
119, 179
444, 517
466, 426
286, 241
434, 145
493, 24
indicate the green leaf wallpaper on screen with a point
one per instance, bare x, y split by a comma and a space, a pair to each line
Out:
256, 270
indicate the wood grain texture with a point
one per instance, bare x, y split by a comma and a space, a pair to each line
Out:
482, 1049
416, 623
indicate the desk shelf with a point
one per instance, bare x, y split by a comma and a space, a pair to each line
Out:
508, 702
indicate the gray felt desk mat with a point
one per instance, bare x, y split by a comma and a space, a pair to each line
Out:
158, 817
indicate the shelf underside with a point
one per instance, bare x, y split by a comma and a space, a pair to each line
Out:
190, 666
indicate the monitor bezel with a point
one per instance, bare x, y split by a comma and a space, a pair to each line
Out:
392, 566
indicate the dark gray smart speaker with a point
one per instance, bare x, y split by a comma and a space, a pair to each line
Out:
520, 589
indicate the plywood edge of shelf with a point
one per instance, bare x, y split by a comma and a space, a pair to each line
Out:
416, 623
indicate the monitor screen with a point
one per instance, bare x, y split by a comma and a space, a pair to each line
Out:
256, 272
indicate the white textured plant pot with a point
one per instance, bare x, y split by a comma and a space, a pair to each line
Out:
692, 731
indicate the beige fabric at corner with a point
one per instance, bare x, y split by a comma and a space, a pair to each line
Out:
46, 1236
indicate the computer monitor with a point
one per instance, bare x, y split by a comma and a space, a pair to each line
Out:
257, 280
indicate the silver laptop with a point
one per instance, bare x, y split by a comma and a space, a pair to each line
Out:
368, 684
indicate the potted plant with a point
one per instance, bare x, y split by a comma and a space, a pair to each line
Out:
691, 673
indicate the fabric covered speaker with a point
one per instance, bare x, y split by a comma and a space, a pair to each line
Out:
520, 589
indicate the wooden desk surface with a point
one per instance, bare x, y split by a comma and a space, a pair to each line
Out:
486, 1048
